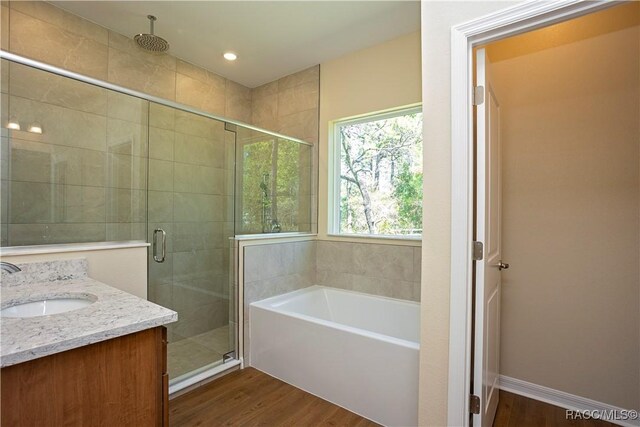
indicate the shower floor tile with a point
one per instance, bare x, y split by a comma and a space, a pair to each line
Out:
188, 354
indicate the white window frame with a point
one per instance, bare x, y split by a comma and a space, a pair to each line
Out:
334, 169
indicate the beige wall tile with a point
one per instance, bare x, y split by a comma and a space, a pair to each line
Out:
298, 98
38, 85
161, 116
160, 175
125, 205
4, 158
60, 125
53, 15
78, 204
132, 71
198, 179
4, 76
126, 171
193, 124
264, 112
386, 261
265, 90
52, 44
198, 151
302, 125
31, 202
160, 205
38, 234
310, 75
4, 27
126, 231
190, 207
128, 108
197, 73
124, 137
161, 143
198, 236
37, 162
209, 97
237, 102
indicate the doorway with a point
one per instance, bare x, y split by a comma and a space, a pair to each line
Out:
568, 161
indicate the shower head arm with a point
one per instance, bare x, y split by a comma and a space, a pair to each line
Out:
152, 20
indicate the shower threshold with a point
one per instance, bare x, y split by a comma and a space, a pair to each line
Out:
200, 375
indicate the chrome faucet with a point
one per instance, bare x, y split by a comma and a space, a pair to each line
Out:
8, 267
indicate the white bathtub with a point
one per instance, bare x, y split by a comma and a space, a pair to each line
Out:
356, 350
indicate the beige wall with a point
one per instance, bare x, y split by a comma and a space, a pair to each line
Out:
437, 20
123, 268
44, 32
378, 78
571, 221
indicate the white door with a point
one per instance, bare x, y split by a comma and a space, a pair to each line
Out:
486, 361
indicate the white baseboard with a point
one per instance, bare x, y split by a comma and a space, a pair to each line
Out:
562, 399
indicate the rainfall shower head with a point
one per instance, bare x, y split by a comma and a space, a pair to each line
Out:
151, 42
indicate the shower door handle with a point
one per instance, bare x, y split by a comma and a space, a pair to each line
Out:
163, 244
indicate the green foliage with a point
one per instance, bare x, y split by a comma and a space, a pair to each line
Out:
272, 183
381, 176
408, 193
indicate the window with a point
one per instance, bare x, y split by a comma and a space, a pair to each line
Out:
378, 175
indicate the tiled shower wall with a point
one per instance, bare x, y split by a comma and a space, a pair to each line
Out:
275, 269
84, 178
377, 269
190, 196
41, 31
289, 105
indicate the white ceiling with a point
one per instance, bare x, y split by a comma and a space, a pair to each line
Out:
272, 38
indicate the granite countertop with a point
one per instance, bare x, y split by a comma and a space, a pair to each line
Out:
113, 312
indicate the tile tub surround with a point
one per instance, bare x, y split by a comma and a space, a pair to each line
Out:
377, 269
114, 313
275, 269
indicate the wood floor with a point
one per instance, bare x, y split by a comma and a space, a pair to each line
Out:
250, 398
520, 411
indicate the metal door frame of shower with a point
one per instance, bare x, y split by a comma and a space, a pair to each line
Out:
204, 373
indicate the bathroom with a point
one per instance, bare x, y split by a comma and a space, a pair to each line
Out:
208, 190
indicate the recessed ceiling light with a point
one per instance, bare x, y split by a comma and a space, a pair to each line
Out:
13, 124
230, 56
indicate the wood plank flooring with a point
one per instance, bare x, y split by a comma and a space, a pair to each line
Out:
519, 411
251, 398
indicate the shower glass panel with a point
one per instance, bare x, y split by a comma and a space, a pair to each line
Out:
109, 166
191, 190
80, 177
273, 179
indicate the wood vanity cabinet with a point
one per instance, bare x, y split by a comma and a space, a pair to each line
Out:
119, 382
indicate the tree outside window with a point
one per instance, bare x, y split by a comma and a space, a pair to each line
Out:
380, 174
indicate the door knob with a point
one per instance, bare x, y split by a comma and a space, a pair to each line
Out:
502, 266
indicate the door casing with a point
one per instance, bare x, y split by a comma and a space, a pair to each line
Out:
508, 22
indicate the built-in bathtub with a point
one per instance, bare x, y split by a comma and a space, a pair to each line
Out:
356, 350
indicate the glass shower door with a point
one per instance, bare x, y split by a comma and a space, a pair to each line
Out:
190, 221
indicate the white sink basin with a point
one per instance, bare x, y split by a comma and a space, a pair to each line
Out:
46, 307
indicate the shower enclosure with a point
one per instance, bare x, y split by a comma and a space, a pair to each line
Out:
111, 164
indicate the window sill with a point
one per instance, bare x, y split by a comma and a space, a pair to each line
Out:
379, 239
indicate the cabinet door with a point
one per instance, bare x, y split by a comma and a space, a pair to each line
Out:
116, 382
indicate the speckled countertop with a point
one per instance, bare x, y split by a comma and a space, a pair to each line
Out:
112, 314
